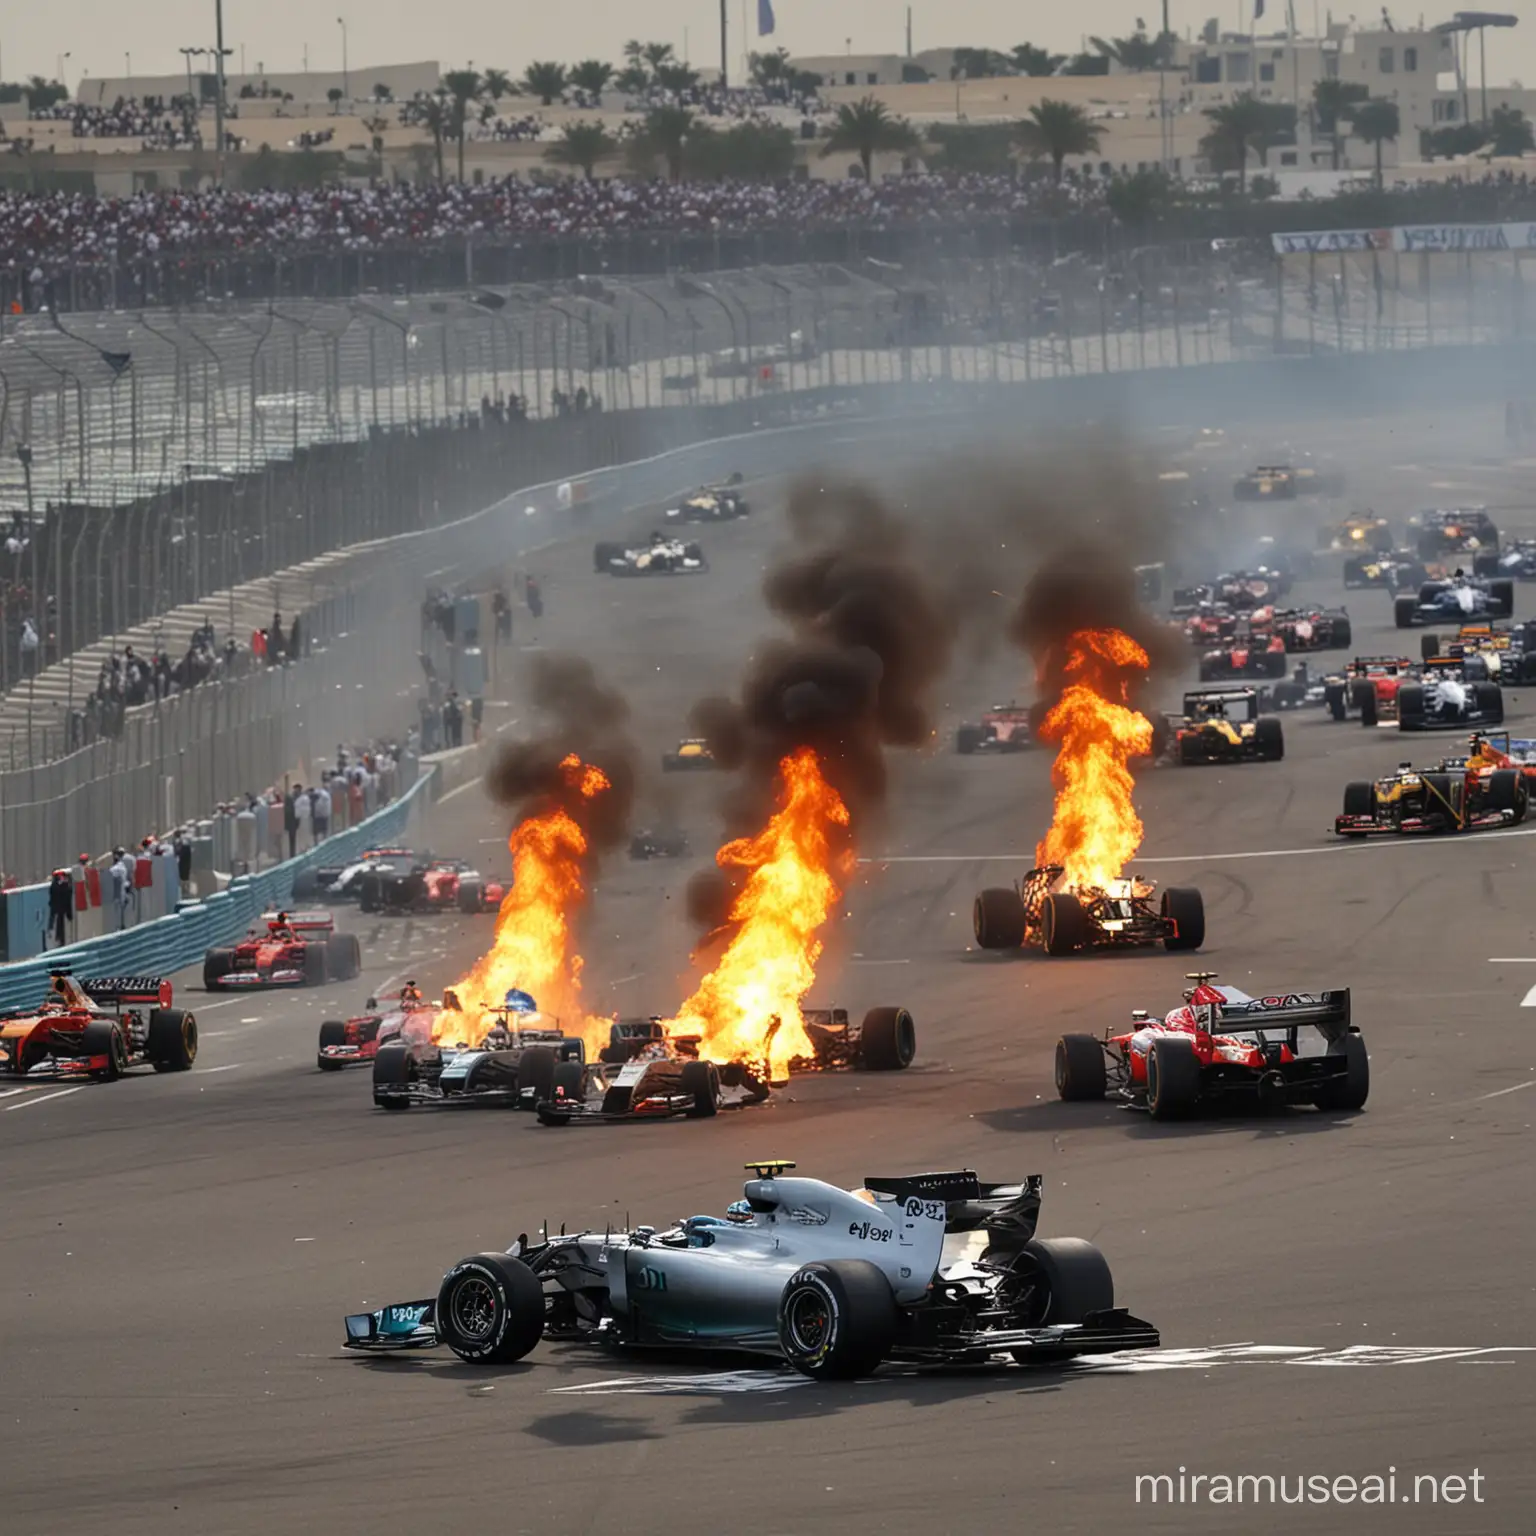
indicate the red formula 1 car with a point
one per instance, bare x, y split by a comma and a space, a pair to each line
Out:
1312, 629
403, 1015
289, 949
1249, 655
1297, 1048
1368, 686
98, 1028
1003, 728
430, 885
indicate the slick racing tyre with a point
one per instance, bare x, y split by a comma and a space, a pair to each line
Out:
1080, 1070
1410, 707
536, 1070
700, 1080
105, 1040
332, 1032
1403, 611
1334, 697
1270, 737
1506, 792
1349, 1092
1365, 702
998, 918
171, 1044
1184, 906
1429, 646
470, 896
1501, 594
837, 1319
343, 956
1360, 798
967, 739
1274, 664
1063, 924
316, 964
1488, 701
1057, 1280
490, 1309
604, 554
1343, 635
393, 1067
1173, 1078
217, 964
887, 1040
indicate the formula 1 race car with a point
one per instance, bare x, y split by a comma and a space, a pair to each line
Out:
649, 844
1003, 728
643, 1073
1249, 655
289, 949
1310, 629
692, 753
98, 1028
660, 557
1225, 726
1460, 794
710, 504
1257, 587
1445, 698
1296, 1048
1268, 482
1460, 531
1455, 599
1395, 571
929, 1269
1489, 652
1518, 560
428, 885
1041, 912
1362, 534
403, 1015
343, 882
1368, 686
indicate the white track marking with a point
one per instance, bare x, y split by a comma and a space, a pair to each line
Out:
229, 1002
1529, 1000
470, 784
633, 976
1498, 1093
10, 1093
41, 1098
234, 1066
1511, 960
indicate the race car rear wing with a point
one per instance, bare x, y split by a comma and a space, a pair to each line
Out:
117, 990
969, 1204
1328, 1012
302, 922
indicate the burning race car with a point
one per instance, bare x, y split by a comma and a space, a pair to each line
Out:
1268, 482
1362, 534
1487, 789
1454, 600
428, 885
692, 753
294, 949
710, 504
1297, 1048
404, 1015
1446, 698
1003, 728
660, 557
1040, 912
1460, 531
1225, 726
932, 1269
98, 1028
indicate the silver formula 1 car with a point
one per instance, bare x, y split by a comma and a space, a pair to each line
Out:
932, 1269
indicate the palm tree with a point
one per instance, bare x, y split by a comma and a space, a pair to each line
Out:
632, 79
544, 80
436, 118
664, 135
1138, 52
866, 129
583, 146
677, 78
1236, 126
591, 75
1056, 129
498, 83
769, 68
656, 55
1331, 99
633, 51
1376, 121
463, 86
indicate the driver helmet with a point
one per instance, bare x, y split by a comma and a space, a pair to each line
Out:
738, 1210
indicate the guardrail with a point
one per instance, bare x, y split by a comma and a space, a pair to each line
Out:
169, 944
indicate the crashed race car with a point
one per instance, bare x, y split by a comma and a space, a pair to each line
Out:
1003, 728
649, 844
643, 1073
1225, 726
1223, 1045
1249, 655
97, 1027
1368, 687
1362, 534
1483, 791
1454, 600
660, 557
428, 885
710, 504
343, 882
929, 1269
1458, 532
1396, 570
1040, 912
1268, 482
692, 754
1446, 698
288, 949
403, 1015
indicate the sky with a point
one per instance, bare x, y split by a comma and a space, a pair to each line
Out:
510, 33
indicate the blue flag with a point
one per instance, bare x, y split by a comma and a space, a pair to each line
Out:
765, 17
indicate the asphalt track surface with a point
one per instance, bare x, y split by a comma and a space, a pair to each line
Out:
1336, 1294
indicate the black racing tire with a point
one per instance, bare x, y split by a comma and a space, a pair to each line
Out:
1343, 635
1270, 737
343, 956
536, 1070
1404, 610
1335, 698
332, 1032
370, 891
1211, 669
1502, 594
217, 964
1080, 1071
306, 885
393, 1067
887, 1040
1506, 791
1190, 750
1488, 700
1063, 924
1443, 795
1057, 1280
967, 739
104, 1038
1349, 1092
1173, 1078
1273, 664
1485, 563
1360, 798
837, 1319
1354, 572
570, 1080
1410, 707
603, 553
317, 963
470, 896
1429, 646
997, 915
490, 1309
170, 1043
1185, 907
1366, 703
700, 1080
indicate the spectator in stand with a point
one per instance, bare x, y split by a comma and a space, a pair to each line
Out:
320, 811
533, 595
61, 905
120, 881
275, 640
303, 810
293, 640
291, 819
453, 721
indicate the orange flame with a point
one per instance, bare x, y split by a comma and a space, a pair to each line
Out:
1095, 830
531, 949
770, 962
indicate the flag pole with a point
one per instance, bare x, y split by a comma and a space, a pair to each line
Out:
724, 81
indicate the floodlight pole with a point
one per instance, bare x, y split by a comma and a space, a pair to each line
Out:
723, 80
218, 99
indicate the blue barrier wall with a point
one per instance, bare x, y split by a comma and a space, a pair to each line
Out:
168, 944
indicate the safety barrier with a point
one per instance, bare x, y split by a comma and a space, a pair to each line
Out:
169, 944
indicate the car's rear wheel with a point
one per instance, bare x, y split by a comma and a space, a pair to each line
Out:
316, 965
1365, 702
1063, 924
1184, 906
1334, 697
604, 554
536, 1070
343, 956
998, 918
1270, 737
700, 1081
1506, 792
1488, 701
837, 1319
393, 1068
470, 896
1410, 707
1343, 635
887, 1040
1429, 646
967, 739
171, 1043
1080, 1072
333, 1032
1173, 1078
1502, 595
490, 1309
569, 1082
105, 1040
1349, 1091
217, 964
1403, 611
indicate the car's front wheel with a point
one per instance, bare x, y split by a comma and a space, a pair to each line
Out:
837, 1319
490, 1309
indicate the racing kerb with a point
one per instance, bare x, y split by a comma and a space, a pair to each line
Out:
169, 944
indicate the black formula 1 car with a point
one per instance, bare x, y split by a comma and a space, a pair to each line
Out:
1003, 728
1458, 532
1397, 570
1446, 698
1455, 599
660, 556
833, 1282
1223, 1045
692, 755
1518, 560
720, 503
344, 882
1459, 794
1225, 726
1041, 912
